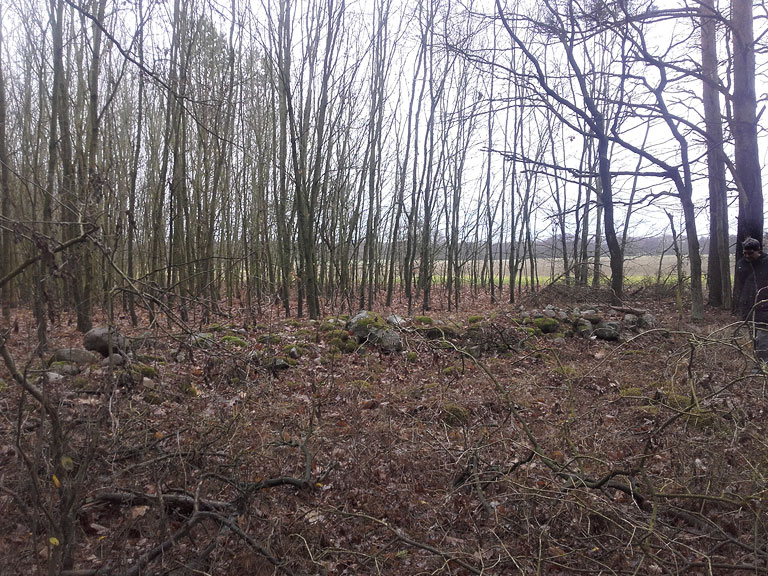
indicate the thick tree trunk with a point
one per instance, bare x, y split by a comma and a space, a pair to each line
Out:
744, 128
718, 265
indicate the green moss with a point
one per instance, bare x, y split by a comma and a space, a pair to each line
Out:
455, 415
361, 384
235, 341
438, 332
269, 339
333, 355
630, 392
202, 340
340, 334
699, 418
372, 321
143, 371
288, 350
215, 328
343, 345
648, 410
546, 325
146, 358
443, 345
474, 319
449, 371
411, 356
424, 320
330, 325
566, 371
59, 364
678, 401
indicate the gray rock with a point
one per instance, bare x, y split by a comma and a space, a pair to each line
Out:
279, 364
106, 341
547, 325
647, 320
74, 356
583, 327
54, 378
395, 320
148, 384
294, 353
592, 315
549, 313
64, 369
630, 321
113, 360
609, 330
369, 327
202, 340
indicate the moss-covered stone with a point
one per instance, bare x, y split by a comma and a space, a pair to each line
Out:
546, 325
147, 358
439, 332
454, 415
474, 319
338, 333
371, 320
343, 345
294, 351
143, 370
330, 324
631, 392
411, 356
234, 341
427, 320
202, 340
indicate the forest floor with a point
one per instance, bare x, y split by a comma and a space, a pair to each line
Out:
481, 448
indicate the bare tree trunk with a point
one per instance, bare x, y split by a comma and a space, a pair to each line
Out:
135, 170
744, 128
6, 253
718, 265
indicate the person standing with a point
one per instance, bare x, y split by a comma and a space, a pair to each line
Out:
752, 276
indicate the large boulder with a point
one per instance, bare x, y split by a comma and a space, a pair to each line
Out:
372, 329
647, 321
547, 324
106, 341
608, 330
74, 356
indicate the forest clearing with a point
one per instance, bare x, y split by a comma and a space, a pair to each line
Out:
483, 445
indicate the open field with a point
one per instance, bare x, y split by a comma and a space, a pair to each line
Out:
636, 268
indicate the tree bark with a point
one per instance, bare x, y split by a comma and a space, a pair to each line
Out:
744, 128
718, 265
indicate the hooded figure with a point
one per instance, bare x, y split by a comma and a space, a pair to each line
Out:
752, 305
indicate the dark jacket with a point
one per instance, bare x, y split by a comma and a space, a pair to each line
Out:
753, 279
